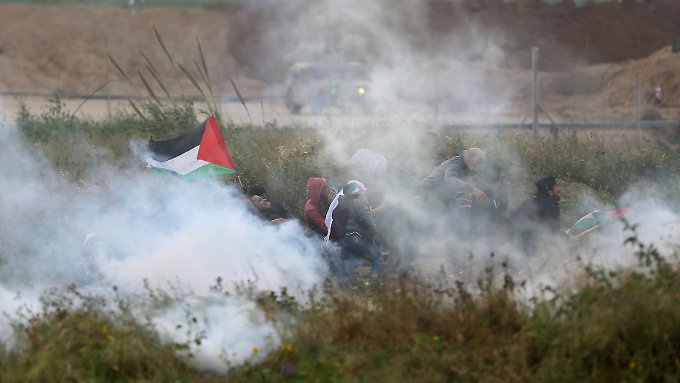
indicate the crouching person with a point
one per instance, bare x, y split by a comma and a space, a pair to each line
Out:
539, 216
319, 197
350, 214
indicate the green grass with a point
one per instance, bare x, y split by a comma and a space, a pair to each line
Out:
622, 327
282, 157
89, 341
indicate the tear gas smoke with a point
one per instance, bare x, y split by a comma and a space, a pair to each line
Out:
428, 235
130, 227
411, 63
139, 227
228, 328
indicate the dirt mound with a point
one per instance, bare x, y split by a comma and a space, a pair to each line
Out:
568, 35
609, 91
50, 48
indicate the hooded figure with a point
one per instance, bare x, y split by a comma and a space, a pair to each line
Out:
539, 214
543, 208
317, 205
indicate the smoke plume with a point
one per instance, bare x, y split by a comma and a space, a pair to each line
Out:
134, 229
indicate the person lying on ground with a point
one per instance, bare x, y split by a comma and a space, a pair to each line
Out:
263, 208
276, 208
319, 197
447, 180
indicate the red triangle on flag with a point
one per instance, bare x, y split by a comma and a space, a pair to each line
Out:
619, 212
213, 149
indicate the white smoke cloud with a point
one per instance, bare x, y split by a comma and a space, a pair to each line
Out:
412, 65
230, 330
135, 227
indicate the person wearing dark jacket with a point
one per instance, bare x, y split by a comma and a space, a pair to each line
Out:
318, 200
539, 214
263, 208
351, 215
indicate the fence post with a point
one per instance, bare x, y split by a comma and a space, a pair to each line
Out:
638, 112
534, 67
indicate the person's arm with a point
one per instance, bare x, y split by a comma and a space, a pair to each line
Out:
455, 185
313, 217
376, 211
363, 211
452, 181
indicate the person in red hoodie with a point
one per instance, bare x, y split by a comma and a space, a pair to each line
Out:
318, 199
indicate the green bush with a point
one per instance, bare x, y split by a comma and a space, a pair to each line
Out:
612, 326
281, 158
77, 338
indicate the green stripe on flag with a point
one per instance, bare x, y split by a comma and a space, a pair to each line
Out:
208, 170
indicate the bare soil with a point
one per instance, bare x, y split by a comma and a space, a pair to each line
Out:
589, 54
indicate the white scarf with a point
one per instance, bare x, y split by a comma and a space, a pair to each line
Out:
329, 215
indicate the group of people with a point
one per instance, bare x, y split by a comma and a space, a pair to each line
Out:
469, 195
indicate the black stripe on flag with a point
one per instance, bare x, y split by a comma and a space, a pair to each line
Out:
162, 151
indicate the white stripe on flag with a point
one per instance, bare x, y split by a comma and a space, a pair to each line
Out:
183, 164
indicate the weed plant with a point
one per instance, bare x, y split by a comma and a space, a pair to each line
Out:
281, 158
613, 326
619, 326
77, 337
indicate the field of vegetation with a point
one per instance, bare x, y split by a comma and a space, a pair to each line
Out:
281, 158
612, 326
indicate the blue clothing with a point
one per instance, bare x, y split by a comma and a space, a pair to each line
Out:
355, 245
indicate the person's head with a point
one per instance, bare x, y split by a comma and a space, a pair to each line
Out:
474, 159
354, 188
547, 186
260, 202
257, 190
318, 191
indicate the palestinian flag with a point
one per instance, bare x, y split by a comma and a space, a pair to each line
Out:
199, 153
593, 220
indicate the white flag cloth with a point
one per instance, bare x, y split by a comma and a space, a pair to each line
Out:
353, 187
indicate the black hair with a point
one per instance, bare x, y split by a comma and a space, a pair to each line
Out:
544, 184
257, 190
